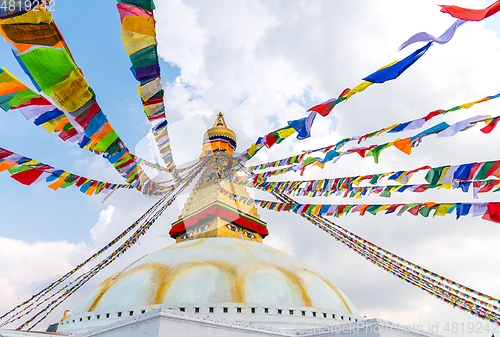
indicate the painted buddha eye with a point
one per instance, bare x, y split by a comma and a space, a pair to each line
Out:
203, 228
233, 228
187, 236
249, 235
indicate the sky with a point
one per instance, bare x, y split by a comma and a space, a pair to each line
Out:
263, 63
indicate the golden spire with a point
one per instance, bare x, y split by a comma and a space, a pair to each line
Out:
210, 213
220, 129
220, 120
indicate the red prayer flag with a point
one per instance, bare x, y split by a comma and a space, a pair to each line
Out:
27, 177
493, 212
471, 14
36, 101
486, 188
81, 181
5, 153
324, 108
65, 135
270, 140
488, 128
414, 210
362, 152
158, 116
88, 115
433, 114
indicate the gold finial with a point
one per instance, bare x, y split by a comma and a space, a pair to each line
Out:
219, 129
220, 120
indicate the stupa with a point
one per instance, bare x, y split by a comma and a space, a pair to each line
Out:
218, 266
219, 278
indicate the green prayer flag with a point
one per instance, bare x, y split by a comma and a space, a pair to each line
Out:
386, 193
481, 175
48, 66
434, 174
144, 57
19, 168
375, 178
148, 5
373, 209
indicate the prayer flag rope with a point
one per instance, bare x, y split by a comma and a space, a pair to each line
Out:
389, 72
487, 210
108, 260
28, 172
450, 176
41, 50
153, 213
412, 273
460, 296
37, 297
139, 39
404, 145
396, 128
364, 191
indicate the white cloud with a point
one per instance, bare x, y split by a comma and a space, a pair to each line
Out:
101, 225
30, 267
8, 293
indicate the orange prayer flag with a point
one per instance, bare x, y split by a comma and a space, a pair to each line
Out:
403, 145
55, 185
5, 165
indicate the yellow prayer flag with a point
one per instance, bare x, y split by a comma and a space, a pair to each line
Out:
468, 105
36, 16
134, 42
284, 133
443, 209
72, 93
51, 125
359, 88
144, 25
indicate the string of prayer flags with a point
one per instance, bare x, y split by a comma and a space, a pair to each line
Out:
28, 172
34, 106
451, 292
49, 64
139, 39
404, 145
344, 187
71, 287
465, 177
471, 14
396, 128
389, 72
145, 222
303, 126
487, 210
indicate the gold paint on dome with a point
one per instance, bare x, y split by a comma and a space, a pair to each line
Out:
164, 275
219, 129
